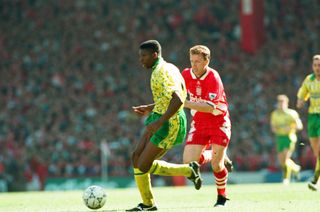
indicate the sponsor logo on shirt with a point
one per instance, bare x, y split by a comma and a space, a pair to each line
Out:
212, 96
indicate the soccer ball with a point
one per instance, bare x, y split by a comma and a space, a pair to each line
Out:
94, 197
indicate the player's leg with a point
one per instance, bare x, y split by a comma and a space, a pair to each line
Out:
196, 144
191, 153
219, 170
194, 152
285, 172
148, 163
315, 145
142, 179
295, 168
285, 148
228, 163
197, 149
314, 137
173, 135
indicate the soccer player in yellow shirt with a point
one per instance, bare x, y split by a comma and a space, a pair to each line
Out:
284, 124
310, 90
165, 126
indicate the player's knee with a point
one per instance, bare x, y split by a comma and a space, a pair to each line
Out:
134, 159
143, 167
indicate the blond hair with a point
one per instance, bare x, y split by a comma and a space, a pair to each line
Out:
316, 57
282, 97
200, 50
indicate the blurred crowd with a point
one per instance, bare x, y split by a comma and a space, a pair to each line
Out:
69, 75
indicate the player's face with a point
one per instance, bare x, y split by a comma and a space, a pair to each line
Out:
198, 64
147, 58
316, 67
282, 104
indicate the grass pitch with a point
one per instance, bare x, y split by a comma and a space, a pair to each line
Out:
244, 197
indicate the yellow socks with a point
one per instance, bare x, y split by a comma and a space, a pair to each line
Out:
144, 185
160, 167
286, 172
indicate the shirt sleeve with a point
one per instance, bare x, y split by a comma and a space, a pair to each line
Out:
216, 96
272, 122
167, 85
303, 92
215, 90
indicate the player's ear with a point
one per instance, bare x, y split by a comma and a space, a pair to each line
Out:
155, 55
207, 62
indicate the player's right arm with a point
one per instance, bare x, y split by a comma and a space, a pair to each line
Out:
272, 123
303, 94
143, 109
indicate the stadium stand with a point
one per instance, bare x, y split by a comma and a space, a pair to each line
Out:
69, 74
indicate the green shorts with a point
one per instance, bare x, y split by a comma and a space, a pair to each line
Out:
172, 132
284, 142
313, 125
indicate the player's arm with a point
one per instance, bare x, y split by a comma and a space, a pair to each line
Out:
302, 95
297, 120
299, 124
272, 124
300, 103
206, 107
143, 109
173, 107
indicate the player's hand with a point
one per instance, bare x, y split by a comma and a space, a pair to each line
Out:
186, 103
300, 103
141, 110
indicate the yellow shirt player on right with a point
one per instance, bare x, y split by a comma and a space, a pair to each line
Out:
310, 90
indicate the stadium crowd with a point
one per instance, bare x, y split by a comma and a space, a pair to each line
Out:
69, 74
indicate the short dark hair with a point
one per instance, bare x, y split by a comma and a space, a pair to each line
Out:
152, 45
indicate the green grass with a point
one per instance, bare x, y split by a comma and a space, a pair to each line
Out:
244, 197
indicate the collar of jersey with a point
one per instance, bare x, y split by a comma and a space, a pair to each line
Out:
158, 61
202, 77
313, 77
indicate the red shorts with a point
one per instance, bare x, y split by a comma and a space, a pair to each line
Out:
207, 137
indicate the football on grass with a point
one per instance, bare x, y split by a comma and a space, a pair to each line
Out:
94, 197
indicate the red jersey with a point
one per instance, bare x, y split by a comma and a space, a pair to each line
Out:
208, 88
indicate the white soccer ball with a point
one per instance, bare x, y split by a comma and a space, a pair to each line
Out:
94, 197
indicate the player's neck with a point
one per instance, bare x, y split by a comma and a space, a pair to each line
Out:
202, 73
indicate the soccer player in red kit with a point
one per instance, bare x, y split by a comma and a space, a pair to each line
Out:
210, 124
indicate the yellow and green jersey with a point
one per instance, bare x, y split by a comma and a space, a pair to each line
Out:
165, 80
310, 88
284, 122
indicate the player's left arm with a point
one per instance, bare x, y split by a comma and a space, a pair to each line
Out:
173, 107
215, 96
272, 123
206, 107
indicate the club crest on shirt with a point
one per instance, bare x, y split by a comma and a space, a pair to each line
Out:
212, 96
